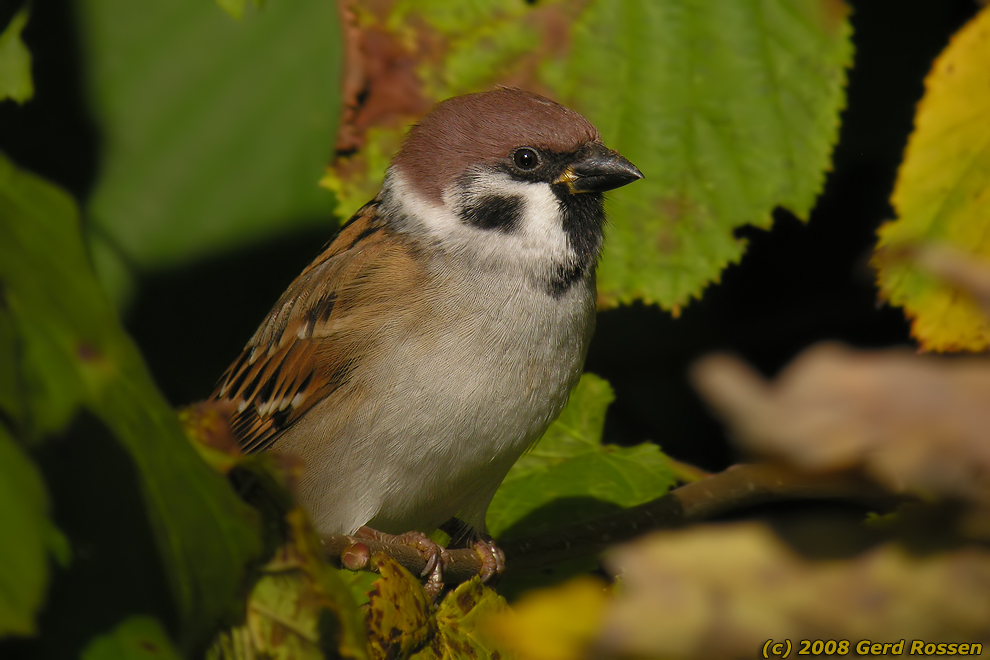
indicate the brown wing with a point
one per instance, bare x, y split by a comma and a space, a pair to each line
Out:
312, 339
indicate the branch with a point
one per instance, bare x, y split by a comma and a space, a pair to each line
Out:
738, 487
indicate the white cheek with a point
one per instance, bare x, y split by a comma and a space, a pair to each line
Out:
537, 244
541, 228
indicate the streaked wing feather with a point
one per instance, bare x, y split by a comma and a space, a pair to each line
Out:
308, 345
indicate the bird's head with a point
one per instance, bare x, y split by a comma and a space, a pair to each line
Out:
508, 176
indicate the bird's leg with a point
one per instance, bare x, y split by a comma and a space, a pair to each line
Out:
434, 554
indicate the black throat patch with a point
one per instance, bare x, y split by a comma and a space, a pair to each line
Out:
583, 220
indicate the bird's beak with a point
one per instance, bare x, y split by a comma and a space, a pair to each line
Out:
597, 170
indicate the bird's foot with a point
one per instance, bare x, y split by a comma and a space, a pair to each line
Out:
492, 558
434, 554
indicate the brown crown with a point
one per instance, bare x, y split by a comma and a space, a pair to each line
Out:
477, 128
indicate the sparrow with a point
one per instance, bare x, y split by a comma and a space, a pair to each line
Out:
439, 334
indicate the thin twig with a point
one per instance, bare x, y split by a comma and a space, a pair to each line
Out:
739, 487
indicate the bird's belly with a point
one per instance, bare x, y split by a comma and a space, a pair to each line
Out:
439, 426
448, 456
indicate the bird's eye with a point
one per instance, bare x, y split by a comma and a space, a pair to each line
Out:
526, 158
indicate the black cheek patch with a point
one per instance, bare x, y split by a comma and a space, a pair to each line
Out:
494, 212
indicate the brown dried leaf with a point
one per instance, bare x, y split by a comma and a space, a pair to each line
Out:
959, 269
721, 592
207, 424
912, 422
402, 57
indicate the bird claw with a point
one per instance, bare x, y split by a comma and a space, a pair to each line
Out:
435, 555
437, 558
492, 558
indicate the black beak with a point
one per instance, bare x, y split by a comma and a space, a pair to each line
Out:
597, 170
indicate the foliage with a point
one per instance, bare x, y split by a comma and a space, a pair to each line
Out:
71, 353
569, 461
721, 592
299, 608
202, 154
723, 133
738, 116
214, 133
137, 638
402, 623
942, 196
15, 61
24, 512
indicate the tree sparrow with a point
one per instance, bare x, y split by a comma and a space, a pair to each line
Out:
439, 334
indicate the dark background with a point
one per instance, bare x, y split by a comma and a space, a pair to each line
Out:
798, 283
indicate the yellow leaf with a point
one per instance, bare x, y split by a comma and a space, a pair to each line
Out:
299, 609
554, 624
942, 195
460, 620
400, 617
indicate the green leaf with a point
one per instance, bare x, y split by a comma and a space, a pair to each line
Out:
15, 61
215, 132
73, 353
359, 584
729, 108
300, 607
570, 461
233, 7
136, 638
12, 400
26, 528
462, 619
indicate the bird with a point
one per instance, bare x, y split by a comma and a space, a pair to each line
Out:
439, 334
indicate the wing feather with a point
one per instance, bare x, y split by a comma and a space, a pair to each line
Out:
317, 332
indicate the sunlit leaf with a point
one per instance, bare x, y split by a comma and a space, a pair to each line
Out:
559, 623
402, 623
233, 7
400, 616
15, 61
570, 461
942, 195
730, 109
299, 609
214, 132
74, 354
462, 618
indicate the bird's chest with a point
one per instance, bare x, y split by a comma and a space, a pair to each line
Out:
459, 394
488, 368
